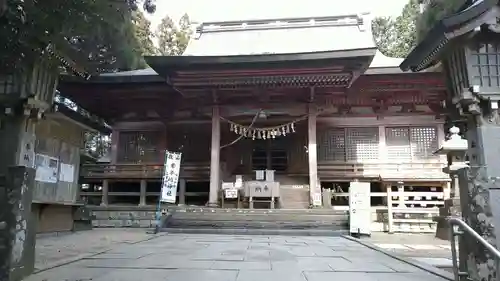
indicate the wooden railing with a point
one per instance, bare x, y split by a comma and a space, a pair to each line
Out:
189, 171
420, 170
407, 211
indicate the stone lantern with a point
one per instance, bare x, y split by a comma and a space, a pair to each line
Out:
465, 44
455, 148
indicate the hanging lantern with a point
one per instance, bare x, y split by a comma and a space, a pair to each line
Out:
293, 127
231, 127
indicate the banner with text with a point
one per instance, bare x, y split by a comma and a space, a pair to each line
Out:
170, 176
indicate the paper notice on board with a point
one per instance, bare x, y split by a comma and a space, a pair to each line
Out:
66, 173
46, 168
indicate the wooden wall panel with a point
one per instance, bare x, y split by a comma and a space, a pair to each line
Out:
62, 140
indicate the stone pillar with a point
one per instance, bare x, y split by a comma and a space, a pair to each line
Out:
480, 190
182, 191
105, 190
314, 191
215, 158
17, 243
144, 186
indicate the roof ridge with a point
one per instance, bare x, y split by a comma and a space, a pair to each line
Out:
280, 23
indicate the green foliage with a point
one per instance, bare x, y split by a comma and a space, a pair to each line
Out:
435, 11
96, 144
143, 34
97, 31
172, 38
397, 37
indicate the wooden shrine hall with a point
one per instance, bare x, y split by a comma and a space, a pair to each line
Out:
282, 95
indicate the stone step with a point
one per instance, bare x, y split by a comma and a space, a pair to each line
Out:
190, 209
256, 224
260, 217
294, 198
237, 231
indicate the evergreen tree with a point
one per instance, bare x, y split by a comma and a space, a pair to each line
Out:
397, 37
97, 31
143, 33
172, 38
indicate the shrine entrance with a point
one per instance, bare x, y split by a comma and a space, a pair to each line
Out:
270, 154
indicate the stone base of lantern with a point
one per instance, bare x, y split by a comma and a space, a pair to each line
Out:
451, 208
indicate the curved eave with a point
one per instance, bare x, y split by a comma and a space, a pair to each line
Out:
168, 65
97, 125
426, 52
113, 79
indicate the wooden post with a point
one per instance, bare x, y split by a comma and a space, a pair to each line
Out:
105, 190
115, 135
215, 158
144, 186
401, 197
382, 148
182, 191
389, 208
312, 153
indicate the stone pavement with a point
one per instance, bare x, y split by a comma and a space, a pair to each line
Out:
174, 257
56, 250
425, 248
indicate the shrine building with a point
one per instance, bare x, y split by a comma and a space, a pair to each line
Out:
310, 98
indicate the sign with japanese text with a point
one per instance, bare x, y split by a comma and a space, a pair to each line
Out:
170, 176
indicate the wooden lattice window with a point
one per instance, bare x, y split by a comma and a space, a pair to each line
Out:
331, 145
405, 144
424, 142
7, 84
485, 65
348, 144
362, 144
139, 147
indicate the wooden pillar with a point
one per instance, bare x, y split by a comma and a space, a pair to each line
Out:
382, 148
312, 153
215, 158
182, 192
115, 135
144, 186
105, 190
389, 208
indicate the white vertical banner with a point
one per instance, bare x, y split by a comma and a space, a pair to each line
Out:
170, 176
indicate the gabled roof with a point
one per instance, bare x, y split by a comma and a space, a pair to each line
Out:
273, 51
447, 30
281, 36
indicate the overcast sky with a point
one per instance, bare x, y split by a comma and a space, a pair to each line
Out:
221, 10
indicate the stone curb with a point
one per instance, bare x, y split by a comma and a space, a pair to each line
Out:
86, 256
428, 268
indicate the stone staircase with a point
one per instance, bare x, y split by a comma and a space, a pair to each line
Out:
256, 221
292, 197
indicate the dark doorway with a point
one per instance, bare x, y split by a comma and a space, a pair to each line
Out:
270, 154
